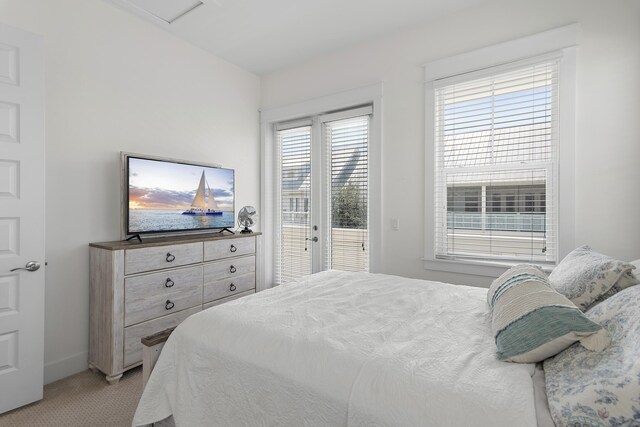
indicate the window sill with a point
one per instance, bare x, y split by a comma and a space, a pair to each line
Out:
475, 268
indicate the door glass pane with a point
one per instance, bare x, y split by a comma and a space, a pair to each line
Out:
293, 249
347, 244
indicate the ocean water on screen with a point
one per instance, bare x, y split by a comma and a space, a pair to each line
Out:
141, 220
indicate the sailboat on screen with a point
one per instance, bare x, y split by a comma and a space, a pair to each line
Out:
203, 203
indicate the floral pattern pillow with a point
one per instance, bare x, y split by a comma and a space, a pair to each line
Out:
600, 389
583, 276
628, 279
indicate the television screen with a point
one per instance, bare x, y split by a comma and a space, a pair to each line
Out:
166, 196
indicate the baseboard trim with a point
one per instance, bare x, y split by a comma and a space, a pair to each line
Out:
62, 368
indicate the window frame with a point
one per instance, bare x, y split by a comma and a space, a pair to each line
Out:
560, 42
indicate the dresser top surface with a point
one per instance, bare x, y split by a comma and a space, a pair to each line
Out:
148, 242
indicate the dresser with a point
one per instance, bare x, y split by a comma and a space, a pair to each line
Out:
139, 289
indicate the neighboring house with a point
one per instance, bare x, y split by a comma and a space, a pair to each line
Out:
296, 186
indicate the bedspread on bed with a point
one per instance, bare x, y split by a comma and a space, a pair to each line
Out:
341, 349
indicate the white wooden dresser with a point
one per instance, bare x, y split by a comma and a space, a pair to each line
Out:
138, 289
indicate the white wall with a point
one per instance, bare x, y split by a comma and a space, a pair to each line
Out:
115, 83
608, 111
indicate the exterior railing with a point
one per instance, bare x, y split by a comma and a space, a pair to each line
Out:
497, 221
346, 251
295, 218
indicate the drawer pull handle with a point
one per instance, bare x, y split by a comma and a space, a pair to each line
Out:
170, 257
232, 287
168, 305
233, 248
169, 283
232, 269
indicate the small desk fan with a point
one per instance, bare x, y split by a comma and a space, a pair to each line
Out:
247, 217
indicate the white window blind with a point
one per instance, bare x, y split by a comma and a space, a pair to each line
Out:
347, 185
496, 152
293, 173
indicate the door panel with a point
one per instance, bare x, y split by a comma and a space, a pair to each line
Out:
21, 217
294, 249
347, 205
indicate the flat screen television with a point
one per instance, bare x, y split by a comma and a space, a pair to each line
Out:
173, 196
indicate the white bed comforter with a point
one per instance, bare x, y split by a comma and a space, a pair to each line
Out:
340, 349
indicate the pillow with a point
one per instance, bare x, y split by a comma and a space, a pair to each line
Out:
531, 322
627, 280
633, 275
583, 276
594, 389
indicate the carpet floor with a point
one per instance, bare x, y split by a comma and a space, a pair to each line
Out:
82, 400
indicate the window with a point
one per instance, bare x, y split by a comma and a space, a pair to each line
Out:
464, 199
496, 153
494, 139
523, 198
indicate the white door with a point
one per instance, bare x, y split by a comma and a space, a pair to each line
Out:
22, 217
322, 193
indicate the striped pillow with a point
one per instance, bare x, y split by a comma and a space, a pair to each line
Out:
531, 321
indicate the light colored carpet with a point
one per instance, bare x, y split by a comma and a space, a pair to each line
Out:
82, 400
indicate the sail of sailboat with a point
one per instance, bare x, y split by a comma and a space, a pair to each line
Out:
199, 201
200, 204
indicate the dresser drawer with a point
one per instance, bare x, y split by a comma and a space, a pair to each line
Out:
227, 248
133, 334
229, 286
153, 295
229, 268
155, 258
223, 300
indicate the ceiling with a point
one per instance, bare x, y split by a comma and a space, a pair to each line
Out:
263, 36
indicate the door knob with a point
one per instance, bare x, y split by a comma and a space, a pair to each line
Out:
30, 266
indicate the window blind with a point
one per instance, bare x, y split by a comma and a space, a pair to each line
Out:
496, 150
293, 170
347, 185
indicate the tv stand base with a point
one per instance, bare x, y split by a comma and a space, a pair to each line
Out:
226, 229
135, 236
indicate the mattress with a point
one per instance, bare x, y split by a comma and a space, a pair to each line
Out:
340, 349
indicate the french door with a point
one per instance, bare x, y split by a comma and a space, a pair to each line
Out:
322, 194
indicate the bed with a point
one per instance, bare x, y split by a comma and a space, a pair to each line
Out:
342, 349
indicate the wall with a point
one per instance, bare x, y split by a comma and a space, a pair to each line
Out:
116, 83
607, 135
